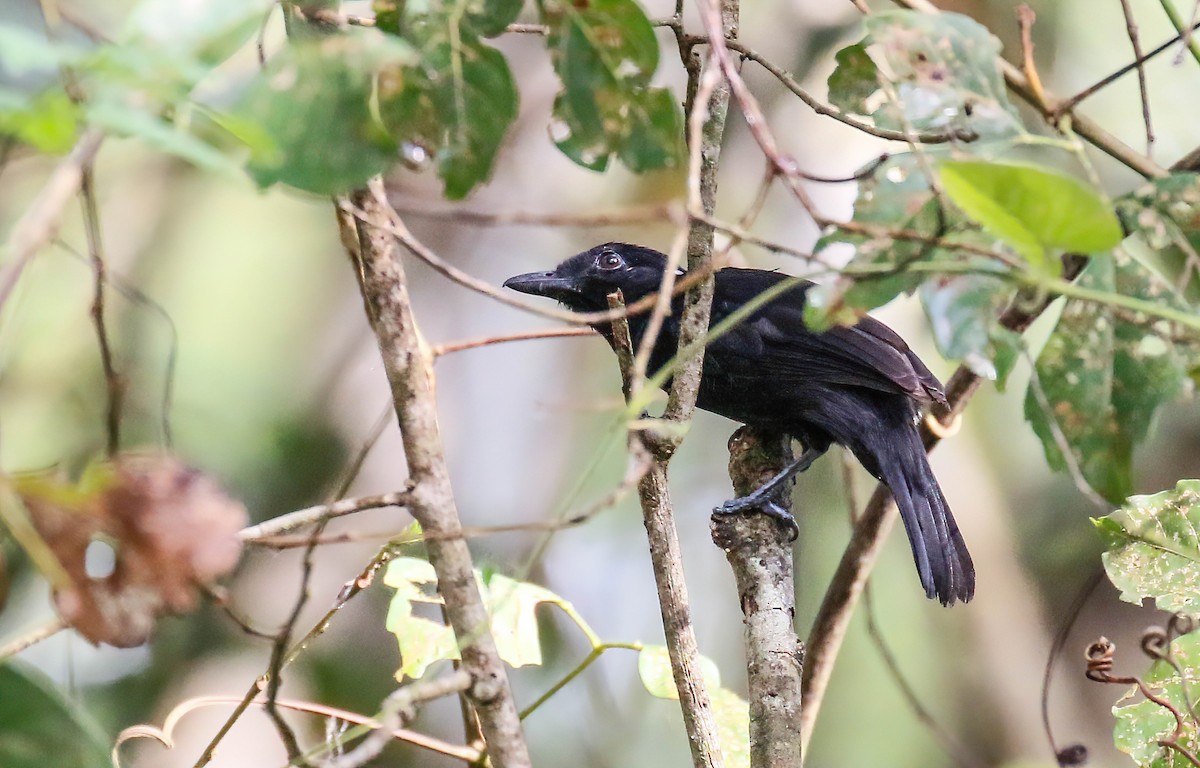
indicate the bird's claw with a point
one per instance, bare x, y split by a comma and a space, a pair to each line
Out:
768, 507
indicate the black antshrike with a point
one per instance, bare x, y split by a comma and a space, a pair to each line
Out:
859, 386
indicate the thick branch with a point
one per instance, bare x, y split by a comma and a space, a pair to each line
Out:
409, 370
760, 553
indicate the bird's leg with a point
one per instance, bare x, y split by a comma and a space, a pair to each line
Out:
765, 499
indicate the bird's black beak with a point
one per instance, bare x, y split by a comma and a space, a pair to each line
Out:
546, 284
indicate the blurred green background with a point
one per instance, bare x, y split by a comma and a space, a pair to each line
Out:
277, 381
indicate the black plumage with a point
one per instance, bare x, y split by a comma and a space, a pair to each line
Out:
859, 386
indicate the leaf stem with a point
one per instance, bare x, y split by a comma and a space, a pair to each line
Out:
596, 652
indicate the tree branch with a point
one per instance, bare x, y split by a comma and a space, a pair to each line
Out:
39, 223
409, 370
760, 554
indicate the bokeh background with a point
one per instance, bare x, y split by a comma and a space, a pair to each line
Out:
257, 322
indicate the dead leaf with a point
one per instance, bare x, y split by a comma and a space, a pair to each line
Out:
172, 528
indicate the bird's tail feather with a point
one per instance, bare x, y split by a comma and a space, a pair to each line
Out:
940, 554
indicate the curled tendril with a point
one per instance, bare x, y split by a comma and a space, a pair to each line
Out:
1099, 656
1156, 643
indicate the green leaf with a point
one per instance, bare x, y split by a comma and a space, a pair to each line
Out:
854, 81
1031, 208
1141, 724
313, 100
208, 32
962, 312
605, 53
1152, 548
942, 73
422, 641
48, 121
1163, 218
458, 100
511, 604
157, 133
458, 104
897, 196
654, 667
1105, 374
730, 711
40, 724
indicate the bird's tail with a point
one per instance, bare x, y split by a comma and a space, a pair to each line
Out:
941, 555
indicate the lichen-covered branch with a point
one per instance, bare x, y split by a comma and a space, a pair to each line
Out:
760, 553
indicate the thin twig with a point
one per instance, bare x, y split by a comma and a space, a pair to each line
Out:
667, 563
1189, 43
31, 638
395, 227
1068, 104
114, 386
39, 224
349, 591
1143, 90
321, 513
620, 217
395, 712
1060, 641
461, 346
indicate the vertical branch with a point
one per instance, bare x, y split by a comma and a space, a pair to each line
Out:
666, 558
409, 369
760, 555
112, 380
707, 103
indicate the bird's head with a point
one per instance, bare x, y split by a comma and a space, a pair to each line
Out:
584, 281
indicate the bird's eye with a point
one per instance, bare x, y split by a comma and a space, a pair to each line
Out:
610, 260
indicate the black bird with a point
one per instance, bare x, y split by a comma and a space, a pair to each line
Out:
859, 386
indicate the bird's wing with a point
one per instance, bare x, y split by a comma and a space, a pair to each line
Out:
778, 344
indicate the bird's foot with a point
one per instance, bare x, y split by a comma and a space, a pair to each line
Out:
764, 505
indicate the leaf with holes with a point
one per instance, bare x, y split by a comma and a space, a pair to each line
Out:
1033, 209
962, 312
458, 100
1105, 374
457, 105
1163, 218
898, 205
941, 74
1142, 725
605, 54
1152, 548
315, 90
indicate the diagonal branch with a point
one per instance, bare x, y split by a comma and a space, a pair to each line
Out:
409, 369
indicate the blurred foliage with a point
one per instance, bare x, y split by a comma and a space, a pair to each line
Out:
39, 722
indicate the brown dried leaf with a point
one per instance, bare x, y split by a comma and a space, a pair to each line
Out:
171, 527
